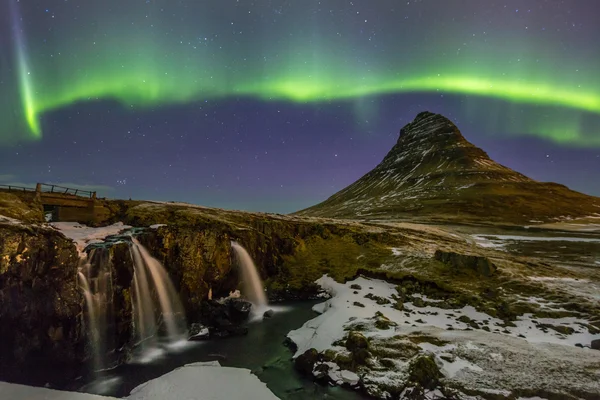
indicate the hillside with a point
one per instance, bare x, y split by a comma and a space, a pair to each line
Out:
434, 172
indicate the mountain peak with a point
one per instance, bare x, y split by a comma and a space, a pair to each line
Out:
433, 169
428, 125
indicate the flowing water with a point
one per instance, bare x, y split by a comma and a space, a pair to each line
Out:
252, 284
95, 280
150, 274
159, 318
262, 351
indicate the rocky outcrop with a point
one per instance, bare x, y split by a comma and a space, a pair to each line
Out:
464, 262
434, 172
40, 305
224, 319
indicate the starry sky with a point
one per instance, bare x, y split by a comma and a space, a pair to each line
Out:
274, 105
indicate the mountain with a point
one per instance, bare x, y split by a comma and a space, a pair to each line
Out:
434, 172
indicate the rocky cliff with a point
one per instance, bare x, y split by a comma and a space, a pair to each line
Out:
42, 310
434, 172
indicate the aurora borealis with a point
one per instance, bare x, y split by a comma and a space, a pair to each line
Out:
236, 89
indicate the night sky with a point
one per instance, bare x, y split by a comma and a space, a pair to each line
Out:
275, 105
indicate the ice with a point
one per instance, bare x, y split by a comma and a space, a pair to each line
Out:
202, 381
11, 391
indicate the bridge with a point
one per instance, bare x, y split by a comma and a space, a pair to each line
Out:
62, 203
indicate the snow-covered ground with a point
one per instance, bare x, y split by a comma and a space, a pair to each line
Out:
10, 391
478, 351
500, 241
9, 220
204, 381
84, 235
198, 381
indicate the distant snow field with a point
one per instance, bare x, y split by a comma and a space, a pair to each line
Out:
500, 241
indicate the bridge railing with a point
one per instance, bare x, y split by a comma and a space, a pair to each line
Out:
17, 188
49, 188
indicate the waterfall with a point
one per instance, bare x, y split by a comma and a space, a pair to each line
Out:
95, 280
158, 315
252, 284
152, 285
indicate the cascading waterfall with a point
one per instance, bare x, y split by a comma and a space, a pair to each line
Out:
95, 279
252, 284
159, 317
152, 288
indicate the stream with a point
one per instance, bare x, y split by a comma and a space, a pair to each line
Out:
262, 351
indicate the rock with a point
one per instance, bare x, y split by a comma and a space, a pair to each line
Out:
448, 357
268, 314
579, 345
377, 299
356, 341
239, 309
355, 286
305, 362
424, 372
225, 319
464, 319
461, 262
595, 344
321, 371
357, 304
198, 332
565, 330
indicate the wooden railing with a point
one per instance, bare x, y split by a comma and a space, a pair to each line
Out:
17, 188
49, 188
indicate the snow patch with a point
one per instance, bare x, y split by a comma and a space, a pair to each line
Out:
201, 381
9, 220
84, 235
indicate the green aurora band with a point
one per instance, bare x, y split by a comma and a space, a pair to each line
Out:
158, 72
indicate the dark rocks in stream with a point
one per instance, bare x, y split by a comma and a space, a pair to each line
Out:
305, 362
268, 314
224, 319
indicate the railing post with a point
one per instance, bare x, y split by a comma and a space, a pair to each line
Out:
94, 195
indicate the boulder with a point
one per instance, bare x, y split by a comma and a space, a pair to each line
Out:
305, 362
356, 341
238, 309
225, 319
464, 262
595, 344
268, 314
198, 332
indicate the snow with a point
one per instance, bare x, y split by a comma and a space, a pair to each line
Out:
84, 235
500, 241
198, 381
396, 251
339, 311
202, 381
14, 391
9, 220
496, 238
156, 226
471, 353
